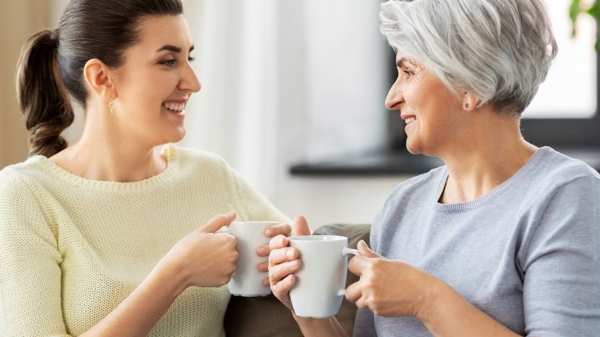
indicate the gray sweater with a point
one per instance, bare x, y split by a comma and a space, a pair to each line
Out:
527, 253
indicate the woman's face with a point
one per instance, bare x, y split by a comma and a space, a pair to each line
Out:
155, 81
430, 110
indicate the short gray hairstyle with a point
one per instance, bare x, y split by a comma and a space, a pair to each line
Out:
499, 50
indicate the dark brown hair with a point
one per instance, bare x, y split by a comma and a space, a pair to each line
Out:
52, 61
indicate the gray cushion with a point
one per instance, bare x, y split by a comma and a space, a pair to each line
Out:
266, 317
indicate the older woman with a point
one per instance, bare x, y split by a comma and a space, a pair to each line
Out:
504, 240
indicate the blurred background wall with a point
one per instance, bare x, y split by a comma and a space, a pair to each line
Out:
20, 19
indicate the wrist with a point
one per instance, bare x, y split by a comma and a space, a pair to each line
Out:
434, 294
308, 325
173, 274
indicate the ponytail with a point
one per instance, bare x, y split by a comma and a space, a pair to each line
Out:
41, 94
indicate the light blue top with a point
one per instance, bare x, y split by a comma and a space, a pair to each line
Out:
527, 253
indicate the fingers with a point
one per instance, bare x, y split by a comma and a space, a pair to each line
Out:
358, 265
283, 287
218, 222
229, 240
361, 303
263, 251
283, 229
281, 255
279, 241
262, 267
280, 230
301, 226
365, 250
281, 271
353, 292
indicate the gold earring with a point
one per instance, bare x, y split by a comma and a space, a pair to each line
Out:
111, 107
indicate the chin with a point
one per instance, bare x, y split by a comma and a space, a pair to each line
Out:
413, 148
174, 136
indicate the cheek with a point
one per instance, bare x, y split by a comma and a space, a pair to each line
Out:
148, 90
434, 104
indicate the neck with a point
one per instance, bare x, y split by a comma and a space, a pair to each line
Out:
105, 154
490, 152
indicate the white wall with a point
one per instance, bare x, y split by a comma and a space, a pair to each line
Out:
331, 92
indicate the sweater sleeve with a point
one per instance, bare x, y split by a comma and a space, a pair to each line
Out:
30, 273
561, 267
251, 204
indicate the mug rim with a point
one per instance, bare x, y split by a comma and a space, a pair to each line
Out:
254, 222
317, 238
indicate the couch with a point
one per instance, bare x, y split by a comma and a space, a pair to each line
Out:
266, 317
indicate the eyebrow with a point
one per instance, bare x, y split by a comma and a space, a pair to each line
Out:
404, 60
172, 48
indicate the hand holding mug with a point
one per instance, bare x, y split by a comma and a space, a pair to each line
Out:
284, 262
205, 257
389, 288
264, 251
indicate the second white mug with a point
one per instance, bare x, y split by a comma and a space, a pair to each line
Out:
247, 281
319, 290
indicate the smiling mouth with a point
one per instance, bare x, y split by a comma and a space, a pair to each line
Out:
410, 120
174, 107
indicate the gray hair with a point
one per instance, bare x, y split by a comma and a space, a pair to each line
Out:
498, 50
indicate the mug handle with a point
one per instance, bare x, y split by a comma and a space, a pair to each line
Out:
224, 230
347, 251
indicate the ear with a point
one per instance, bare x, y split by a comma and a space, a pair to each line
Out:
97, 77
470, 102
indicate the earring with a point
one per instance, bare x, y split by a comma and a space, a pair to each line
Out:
111, 107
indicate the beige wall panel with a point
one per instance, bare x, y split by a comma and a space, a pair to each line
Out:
21, 19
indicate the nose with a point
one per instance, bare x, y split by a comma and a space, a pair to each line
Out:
189, 80
394, 96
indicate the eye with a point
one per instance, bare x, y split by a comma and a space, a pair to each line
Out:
405, 72
168, 63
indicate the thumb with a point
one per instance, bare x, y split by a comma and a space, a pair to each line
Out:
300, 226
364, 249
218, 222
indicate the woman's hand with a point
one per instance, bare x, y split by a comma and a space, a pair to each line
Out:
263, 251
390, 288
205, 257
284, 261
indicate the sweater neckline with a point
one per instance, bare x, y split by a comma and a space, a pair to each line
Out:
525, 170
168, 151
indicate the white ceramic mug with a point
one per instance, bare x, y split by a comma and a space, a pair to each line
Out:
319, 290
247, 280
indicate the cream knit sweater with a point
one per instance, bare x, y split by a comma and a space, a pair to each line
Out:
71, 249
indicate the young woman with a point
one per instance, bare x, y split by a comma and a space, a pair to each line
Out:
504, 239
114, 236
